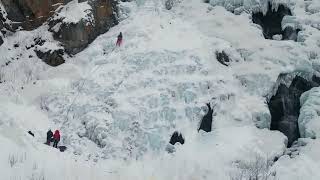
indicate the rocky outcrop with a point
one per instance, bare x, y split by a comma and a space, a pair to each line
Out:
169, 4
52, 58
76, 36
30, 14
285, 106
4, 26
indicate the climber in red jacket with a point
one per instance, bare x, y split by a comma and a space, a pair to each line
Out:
56, 138
119, 41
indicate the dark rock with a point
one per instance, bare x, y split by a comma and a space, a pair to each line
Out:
223, 58
290, 34
76, 37
206, 123
16, 45
271, 22
30, 14
2, 20
315, 80
176, 137
169, 4
4, 25
1, 41
52, 58
15, 10
285, 107
29, 132
38, 41
62, 148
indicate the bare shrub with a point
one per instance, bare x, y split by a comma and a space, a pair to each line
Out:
257, 169
13, 159
38, 176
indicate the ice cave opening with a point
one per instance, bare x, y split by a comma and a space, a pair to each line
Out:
206, 122
285, 105
271, 23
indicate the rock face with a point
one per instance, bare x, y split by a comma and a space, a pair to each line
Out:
30, 14
76, 37
169, 4
206, 123
271, 23
285, 106
52, 58
4, 26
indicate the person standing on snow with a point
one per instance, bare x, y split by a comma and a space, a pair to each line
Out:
49, 137
56, 138
119, 41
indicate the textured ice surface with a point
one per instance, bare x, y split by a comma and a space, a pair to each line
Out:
114, 104
309, 120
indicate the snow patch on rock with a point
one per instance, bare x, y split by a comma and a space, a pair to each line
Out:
74, 12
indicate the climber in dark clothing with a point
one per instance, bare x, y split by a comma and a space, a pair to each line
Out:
119, 41
49, 137
56, 138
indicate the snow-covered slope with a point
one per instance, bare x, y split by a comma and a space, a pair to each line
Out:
117, 107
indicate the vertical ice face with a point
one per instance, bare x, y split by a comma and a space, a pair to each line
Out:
309, 120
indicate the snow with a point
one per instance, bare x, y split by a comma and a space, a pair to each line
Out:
304, 166
74, 12
309, 121
19, 63
117, 107
250, 5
